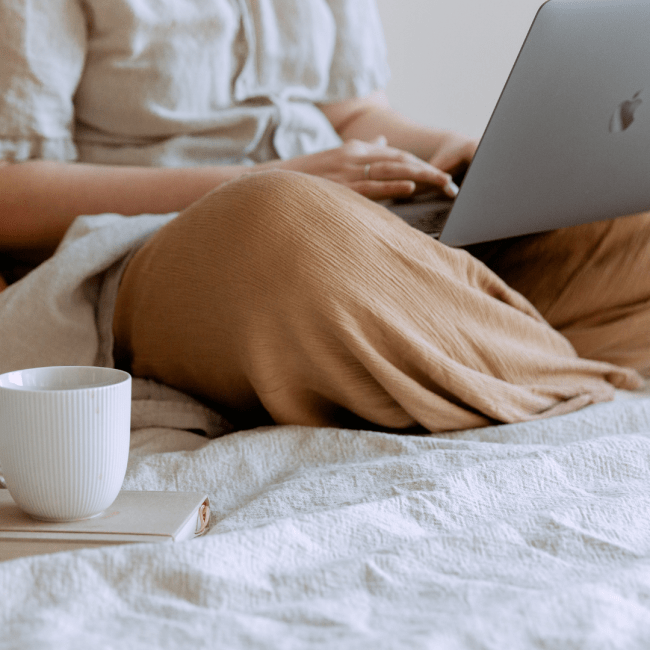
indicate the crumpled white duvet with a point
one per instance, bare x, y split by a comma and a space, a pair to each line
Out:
532, 535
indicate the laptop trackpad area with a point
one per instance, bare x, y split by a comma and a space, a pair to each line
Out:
426, 212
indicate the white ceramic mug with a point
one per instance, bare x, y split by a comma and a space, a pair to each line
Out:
64, 439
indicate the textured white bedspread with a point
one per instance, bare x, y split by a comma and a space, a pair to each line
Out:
520, 536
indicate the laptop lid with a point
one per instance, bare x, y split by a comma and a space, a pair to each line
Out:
569, 139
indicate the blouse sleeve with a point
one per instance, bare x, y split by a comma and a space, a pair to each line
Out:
359, 63
43, 44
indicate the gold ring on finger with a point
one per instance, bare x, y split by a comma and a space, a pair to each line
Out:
366, 171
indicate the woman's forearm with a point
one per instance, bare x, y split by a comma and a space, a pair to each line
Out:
369, 117
398, 130
40, 199
366, 118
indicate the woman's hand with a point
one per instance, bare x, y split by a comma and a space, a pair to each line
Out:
364, 118
373, 169
454, 153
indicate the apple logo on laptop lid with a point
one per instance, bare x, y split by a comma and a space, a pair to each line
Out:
624, 113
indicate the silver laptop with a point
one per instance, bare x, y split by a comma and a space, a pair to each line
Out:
569, 139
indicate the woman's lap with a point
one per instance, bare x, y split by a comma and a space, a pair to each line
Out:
590, 282
288, 294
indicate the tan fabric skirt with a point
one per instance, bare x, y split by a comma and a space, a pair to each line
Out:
286, 295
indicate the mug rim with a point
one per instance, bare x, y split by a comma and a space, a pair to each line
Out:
119, 377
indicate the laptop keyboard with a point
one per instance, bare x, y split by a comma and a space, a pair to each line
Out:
426, 212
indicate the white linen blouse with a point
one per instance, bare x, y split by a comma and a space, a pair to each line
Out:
180, 82
158, 82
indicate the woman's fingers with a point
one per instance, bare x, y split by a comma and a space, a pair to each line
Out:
379, 190
376, 161
373, 169
418, 172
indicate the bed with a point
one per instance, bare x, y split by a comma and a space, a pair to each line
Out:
533, 535
529, 535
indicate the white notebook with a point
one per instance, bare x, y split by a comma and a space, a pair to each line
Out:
135, 516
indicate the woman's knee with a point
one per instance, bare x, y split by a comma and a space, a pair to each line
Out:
292, 199
281, 213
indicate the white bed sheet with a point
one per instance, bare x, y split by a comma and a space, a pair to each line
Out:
532, 535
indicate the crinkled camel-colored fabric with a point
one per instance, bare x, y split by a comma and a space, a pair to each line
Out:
294, 294
590, 282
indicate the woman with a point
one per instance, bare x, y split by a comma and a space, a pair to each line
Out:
287, 292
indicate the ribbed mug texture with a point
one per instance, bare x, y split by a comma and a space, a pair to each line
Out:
64, 452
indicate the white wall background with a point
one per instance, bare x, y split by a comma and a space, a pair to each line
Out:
451, 58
